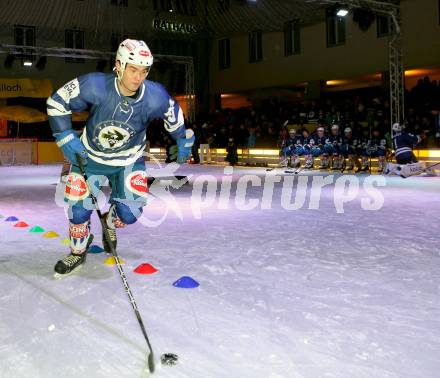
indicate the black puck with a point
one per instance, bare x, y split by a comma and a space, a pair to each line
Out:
169, 359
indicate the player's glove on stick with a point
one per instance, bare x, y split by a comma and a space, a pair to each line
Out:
184, 146
71, 145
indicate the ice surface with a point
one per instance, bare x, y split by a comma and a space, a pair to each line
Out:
305, 293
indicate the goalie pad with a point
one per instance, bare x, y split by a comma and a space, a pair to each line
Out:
413, 169
406, 170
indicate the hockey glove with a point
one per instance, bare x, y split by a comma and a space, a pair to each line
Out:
184, 146
71, 145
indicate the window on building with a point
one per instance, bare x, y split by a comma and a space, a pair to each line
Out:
74, 39
119, 3
185, 7
383, 26
335, 29
255, 46
292, 39
224, 53
25, 36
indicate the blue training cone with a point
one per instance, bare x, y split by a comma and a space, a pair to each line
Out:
11, 219
95, 249
186, 282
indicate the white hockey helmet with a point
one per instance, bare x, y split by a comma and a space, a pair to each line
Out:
347, 130
320, 129
134, 52
397, 128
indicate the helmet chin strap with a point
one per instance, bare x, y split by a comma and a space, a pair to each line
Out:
119, 74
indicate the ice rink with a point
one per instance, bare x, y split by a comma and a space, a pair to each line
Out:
285, 291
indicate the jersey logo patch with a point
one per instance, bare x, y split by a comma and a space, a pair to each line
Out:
76, 188
112, 137
136, 182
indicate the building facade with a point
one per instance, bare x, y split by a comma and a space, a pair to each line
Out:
169, 28
335, 53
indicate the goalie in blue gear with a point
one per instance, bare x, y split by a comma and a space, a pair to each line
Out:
121, 106
403, 144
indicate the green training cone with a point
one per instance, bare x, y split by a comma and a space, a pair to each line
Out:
36, 229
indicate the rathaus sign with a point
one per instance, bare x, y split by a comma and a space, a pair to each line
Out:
174, 27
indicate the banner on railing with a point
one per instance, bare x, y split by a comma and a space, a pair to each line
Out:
36, 88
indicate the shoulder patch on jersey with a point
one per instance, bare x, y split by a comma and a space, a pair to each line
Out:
136, 182
76, 187
171, 121
170, 115
69, 90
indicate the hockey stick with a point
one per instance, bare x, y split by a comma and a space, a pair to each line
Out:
422, 171
280, 165
119, 266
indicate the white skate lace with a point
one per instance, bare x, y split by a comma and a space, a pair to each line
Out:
71, 260
112, 234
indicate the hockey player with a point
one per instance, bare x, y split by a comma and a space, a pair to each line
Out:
313, 147
121, 106
377, 147
348, 149
305, 148
333, 147
403, 143
294, 157
285, 143
362, 151
318, 150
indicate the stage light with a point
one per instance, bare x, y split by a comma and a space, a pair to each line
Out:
341, 12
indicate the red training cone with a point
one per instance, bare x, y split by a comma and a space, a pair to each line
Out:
145, 269
21, 224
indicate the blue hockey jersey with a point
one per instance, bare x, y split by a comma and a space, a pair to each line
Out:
115, 133
315, 140
403, 144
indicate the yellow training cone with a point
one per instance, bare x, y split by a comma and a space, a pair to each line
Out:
111, 261
50, 234
65, 241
